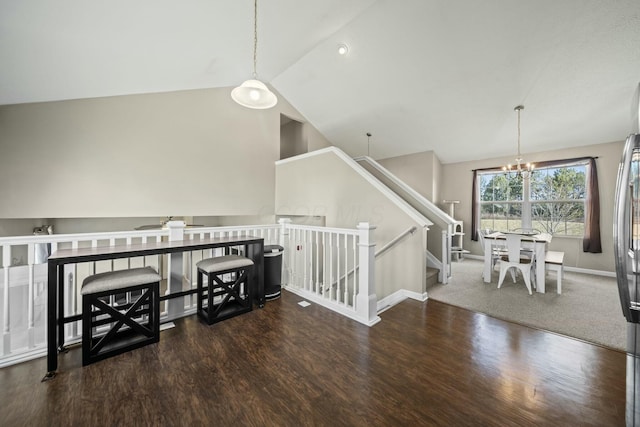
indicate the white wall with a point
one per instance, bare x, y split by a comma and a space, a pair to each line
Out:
422, 172
436, 183
314, 139
20, 227
325, 185
193, 153
419, 170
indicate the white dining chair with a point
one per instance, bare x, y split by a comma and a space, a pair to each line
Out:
497, 249
516, 259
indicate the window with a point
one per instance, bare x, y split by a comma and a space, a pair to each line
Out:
561, 197
500, 201
557, 200
551, 200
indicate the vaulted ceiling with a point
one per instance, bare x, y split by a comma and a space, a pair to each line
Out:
420, 75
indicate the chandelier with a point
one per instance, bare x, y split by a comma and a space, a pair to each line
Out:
253, 93
520, 169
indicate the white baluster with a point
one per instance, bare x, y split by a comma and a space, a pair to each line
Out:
286, 244
73, 291
31, 258
94, 244
309, 259
144, 258
129, 259
303, 256
112, 242
317, 265
71, 330
355, 270
346, 269
446, 257
189, 275
300, 259
299, 254
175, 274
294, 255
326, 289
6, 325
308, 279
338, 255
330, 265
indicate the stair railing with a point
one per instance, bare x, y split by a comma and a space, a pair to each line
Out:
393, 242
437, 215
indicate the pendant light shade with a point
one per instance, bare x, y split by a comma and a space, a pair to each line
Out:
253, 93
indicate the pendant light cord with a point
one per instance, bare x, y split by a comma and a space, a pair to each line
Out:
255, 37
253, 93
518, 134
519, 158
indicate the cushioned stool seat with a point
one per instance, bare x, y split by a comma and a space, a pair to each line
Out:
228, 290
140, 312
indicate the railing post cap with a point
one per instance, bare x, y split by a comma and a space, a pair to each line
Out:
176, 224
284, 221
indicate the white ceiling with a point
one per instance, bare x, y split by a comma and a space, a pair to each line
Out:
420, 75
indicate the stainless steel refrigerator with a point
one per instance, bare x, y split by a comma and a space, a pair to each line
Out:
626, 235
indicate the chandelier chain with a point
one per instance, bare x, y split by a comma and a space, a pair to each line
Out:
255, 36
520, 168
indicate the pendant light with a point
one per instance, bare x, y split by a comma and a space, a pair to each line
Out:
253, 93
519, 168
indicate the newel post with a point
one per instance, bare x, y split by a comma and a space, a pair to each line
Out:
176, 230
284, 242
446, 256
175, 271
366, 300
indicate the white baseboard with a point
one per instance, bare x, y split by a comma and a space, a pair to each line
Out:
589, 271
566, 268
334, 307
399, 296
23, 356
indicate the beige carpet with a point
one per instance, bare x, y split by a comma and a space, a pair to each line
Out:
588, 308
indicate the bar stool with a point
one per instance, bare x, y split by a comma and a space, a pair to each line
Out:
132, 324
228, 290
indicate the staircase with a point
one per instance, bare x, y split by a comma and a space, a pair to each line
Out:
432, 276
444, 225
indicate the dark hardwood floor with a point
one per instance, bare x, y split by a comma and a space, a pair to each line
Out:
285, 365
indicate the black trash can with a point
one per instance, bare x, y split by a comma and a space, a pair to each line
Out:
272, 271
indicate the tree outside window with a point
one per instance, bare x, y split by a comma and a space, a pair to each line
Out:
557, 200
500, 202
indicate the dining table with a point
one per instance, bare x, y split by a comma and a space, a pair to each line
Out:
535, 241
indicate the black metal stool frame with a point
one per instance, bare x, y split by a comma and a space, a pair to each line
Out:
91, 352
212, 314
